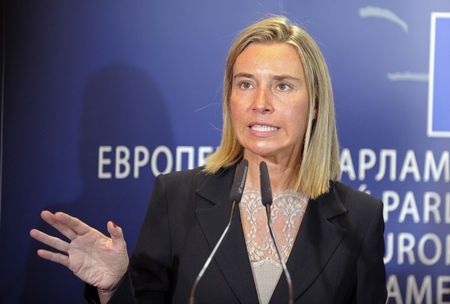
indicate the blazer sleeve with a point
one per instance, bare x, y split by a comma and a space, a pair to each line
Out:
149, 276
371, 274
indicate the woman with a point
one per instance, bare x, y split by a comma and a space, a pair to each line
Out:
278, 108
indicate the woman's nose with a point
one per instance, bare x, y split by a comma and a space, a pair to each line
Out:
262, 102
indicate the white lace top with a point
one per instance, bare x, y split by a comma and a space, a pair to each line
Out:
287, 211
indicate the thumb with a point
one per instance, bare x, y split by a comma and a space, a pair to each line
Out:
116, 233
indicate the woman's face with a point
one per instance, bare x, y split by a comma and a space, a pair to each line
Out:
269, 101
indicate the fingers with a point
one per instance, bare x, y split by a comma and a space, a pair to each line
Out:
54, 257
75, 224
116, 234
55, 222
68, 225
51, 241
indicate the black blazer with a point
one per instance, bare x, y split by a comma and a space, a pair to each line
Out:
337, 256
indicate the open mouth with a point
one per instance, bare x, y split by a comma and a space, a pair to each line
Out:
263, 128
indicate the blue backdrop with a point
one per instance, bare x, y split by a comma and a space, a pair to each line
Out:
101, 96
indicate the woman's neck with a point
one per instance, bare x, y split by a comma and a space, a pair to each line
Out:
282, 172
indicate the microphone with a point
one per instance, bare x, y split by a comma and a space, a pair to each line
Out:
237, 189
266, 199
266, 189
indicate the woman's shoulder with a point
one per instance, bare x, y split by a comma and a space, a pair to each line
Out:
359, 210
180, 179
354, 199
182, 175
197, 174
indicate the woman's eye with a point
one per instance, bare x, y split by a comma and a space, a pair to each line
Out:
283, 87
245, 85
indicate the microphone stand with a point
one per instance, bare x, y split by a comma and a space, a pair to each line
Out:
266, 199
213, 252
237, 189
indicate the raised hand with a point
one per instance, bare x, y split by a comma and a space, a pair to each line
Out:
93, 257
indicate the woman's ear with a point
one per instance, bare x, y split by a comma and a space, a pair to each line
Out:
315, 113
316, 108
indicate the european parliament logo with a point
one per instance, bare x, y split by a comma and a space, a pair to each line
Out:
439, 81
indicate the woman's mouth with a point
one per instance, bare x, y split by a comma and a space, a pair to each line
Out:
263, 128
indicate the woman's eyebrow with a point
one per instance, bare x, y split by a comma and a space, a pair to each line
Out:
276, 77
286, 77
244, 75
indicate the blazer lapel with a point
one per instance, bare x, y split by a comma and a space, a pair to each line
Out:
316, 242
213, 211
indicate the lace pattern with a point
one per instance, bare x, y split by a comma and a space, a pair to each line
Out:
287, 211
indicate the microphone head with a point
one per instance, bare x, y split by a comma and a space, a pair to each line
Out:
240, 176
266, 189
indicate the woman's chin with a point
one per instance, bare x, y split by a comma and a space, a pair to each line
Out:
260, 152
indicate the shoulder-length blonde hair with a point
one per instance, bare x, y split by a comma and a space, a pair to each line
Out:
319, 163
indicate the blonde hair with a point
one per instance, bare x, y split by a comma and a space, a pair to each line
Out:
319, 163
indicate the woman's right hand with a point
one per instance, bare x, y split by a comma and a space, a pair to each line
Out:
93, 257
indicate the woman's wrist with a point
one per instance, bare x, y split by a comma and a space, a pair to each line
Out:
106, 291
104, 295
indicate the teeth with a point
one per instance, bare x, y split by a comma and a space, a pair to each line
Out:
261, 128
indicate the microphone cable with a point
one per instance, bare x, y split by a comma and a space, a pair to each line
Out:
266, 199
237, 189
